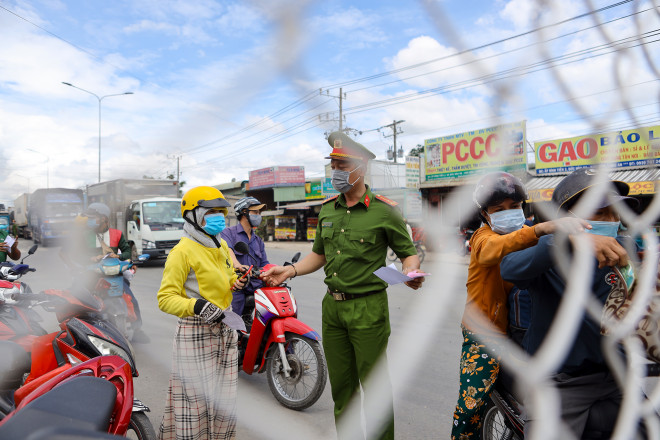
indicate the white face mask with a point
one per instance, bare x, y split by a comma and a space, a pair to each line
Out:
341, 180
507, 221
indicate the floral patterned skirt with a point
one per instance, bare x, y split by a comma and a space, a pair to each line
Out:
479, 369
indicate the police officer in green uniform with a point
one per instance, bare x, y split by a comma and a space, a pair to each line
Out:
5, 250
354, 231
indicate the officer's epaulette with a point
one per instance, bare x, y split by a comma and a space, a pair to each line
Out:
330, 198
386, 200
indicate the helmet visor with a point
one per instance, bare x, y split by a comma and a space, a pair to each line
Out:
219, 204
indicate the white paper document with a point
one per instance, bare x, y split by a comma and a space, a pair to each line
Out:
10, 240
391, 275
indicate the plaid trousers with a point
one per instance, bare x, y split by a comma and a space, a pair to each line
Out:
201, 397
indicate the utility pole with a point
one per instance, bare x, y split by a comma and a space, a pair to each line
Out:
341, 98
394, 133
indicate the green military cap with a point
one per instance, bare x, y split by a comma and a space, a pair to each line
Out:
343, 147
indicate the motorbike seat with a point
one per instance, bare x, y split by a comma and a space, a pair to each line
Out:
14, 363
84, 402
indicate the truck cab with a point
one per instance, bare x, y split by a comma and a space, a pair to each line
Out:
154, 226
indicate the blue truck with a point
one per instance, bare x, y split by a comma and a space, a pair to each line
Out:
51, 213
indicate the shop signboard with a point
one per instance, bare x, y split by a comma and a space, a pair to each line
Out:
501, 147
622, 149
313, 190
312, 223
285, 227
277, 176
412, 172
636, 189
328, 190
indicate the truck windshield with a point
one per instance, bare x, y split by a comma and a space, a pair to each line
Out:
63, 209
162, 213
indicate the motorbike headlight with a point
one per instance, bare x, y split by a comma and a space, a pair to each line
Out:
110, 270
146, 244
107, 348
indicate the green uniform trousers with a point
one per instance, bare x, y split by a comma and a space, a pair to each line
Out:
355, 334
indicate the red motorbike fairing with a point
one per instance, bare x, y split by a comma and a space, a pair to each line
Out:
111, 368
286, 325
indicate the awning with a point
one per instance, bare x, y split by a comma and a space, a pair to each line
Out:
274, 212
642, 181
304, 205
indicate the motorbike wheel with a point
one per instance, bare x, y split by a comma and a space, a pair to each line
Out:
140, 428
308, 376
494, 425
421, 254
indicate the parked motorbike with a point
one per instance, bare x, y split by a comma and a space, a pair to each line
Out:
504, 418
91, 398
279, 344
114, 276
18, 322
84, 334
419, 247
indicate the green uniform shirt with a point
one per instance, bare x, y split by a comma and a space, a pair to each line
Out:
3, 234
355, 240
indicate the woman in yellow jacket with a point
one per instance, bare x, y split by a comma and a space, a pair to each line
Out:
197, 285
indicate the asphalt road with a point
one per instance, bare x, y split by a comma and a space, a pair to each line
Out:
424, 348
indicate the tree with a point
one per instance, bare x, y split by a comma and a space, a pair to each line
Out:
417, 151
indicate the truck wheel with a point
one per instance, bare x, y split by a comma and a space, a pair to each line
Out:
134, 254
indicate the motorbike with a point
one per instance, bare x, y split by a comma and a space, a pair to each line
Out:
504, 416
113, 278
419, 247
84, 334
91, 398
280, 345
18, 323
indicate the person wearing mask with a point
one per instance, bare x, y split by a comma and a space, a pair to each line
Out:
247, 212
354, 231
499, 198
8, 248
197, 286
584, 377
94, 240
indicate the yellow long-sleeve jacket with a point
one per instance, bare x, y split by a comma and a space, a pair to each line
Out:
195, 271
486, 290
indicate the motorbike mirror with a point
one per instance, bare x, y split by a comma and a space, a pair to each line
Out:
144, 257
32, 250
242, 248
296, 257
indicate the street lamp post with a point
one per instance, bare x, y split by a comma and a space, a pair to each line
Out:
47, 165
99, 98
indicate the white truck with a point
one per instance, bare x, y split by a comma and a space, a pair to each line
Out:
147, 211
20, 215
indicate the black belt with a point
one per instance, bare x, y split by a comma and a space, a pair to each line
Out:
341, 296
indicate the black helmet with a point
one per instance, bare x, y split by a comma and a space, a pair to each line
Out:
569, 190
246, 203
495, 187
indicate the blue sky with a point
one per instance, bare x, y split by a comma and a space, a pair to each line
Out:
212, 80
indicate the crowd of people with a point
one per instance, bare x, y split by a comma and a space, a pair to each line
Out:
510, 254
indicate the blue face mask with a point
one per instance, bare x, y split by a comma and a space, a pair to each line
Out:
215, 224
91, 223
507, 221
608, 229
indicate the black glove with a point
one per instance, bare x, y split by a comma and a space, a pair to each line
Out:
208, 312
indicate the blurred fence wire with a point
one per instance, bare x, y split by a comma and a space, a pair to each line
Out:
620, 53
